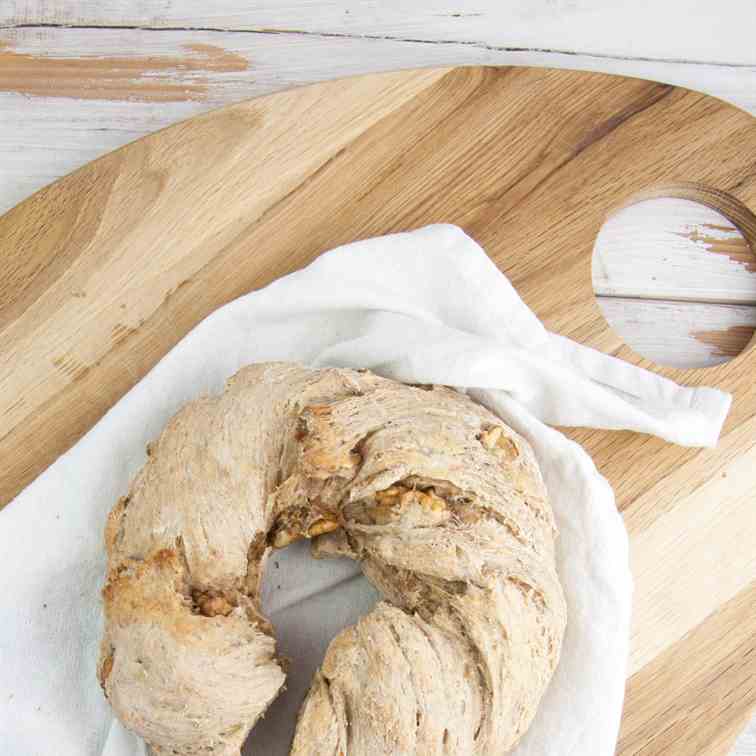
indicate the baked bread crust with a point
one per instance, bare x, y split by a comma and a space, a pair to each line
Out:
443, 505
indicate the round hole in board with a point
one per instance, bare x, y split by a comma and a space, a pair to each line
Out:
676, 279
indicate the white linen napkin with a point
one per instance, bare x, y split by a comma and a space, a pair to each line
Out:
426, 306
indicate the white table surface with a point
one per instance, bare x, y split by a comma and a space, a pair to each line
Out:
79, 78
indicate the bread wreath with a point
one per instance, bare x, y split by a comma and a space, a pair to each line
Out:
443, 505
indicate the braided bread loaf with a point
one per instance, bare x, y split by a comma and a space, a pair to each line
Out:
443, 505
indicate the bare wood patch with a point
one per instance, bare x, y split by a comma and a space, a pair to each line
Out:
729, 342
721, 241
144, 78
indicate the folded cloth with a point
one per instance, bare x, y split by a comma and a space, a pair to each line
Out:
426, 307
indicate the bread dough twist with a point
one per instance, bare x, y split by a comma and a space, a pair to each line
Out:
443, 505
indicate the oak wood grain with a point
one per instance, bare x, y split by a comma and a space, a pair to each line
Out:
697, 695
108, 268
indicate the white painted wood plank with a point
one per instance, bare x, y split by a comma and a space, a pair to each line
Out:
719, 32
49, 123
673, 249
746, 743
681, 334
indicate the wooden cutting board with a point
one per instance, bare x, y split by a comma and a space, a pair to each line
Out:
104, 271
